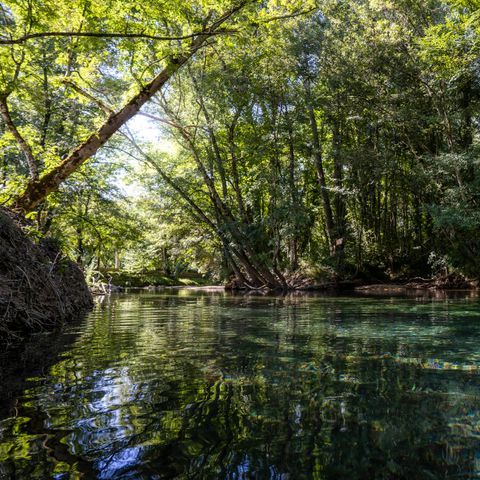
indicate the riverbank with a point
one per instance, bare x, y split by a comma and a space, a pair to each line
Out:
127, 279
39, 287
112, 281
119, 281
441, 282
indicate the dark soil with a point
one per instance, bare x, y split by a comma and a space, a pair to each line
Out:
39, 288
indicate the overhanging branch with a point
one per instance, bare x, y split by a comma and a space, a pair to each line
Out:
144, 36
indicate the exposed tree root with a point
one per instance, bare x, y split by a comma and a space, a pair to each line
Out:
451, 281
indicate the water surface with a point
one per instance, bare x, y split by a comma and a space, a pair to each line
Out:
189, 384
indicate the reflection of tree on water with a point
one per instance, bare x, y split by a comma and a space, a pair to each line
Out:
215, 387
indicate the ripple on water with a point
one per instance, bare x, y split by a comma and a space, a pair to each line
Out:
187, 384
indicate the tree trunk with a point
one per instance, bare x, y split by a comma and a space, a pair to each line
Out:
318, 161
22, 144
339, 202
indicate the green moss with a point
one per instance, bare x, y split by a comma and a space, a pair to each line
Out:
144, 279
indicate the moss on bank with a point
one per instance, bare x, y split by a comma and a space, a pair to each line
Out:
39, 288
144, 279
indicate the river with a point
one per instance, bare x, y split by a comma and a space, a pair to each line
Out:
196, 385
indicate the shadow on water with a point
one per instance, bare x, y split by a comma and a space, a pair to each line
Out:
21, 365
28, 358
196, 384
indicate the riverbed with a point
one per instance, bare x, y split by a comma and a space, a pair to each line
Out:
190, 384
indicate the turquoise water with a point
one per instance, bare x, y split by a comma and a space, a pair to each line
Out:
190, 384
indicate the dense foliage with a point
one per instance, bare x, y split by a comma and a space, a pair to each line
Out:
340, 137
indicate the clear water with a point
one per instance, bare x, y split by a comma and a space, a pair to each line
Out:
196, 385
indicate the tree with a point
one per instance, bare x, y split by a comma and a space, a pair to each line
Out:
316, 138
34, 29
313, 146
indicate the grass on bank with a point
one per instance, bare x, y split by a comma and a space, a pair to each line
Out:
156, 279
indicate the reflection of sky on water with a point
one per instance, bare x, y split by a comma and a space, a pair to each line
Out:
105, 432
119, 463
245, 470
242, 469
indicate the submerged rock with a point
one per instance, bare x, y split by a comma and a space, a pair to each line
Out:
39, 288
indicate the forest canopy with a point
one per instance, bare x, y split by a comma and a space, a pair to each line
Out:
335, 138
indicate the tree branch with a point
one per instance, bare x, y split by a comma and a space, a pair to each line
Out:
22, 144
294, 14
86, 94
200, 213
110, 110
143, 36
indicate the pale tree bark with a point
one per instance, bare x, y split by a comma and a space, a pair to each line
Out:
235, 173
37, 190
